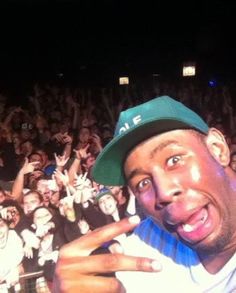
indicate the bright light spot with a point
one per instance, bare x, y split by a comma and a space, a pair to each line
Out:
189, 70
123, 80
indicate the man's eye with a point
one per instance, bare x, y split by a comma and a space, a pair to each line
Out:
173, 161
143, 184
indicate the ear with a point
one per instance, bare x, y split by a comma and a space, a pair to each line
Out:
218, 146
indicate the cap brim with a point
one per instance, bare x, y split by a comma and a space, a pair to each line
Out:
108, 168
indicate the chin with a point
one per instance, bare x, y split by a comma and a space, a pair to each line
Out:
212, 247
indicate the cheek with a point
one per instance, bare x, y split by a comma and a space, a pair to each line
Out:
195, 174
148, 201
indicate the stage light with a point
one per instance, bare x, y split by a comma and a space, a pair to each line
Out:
123, 80
189, 69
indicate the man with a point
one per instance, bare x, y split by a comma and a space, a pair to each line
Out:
179, 171
31, 200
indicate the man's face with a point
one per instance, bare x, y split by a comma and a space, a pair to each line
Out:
107, 204
55, 198
26, 148
30, 202
37, 158
84, 135
187, 191
43, 188
41, 217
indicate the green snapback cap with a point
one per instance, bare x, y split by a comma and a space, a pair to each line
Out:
136, 124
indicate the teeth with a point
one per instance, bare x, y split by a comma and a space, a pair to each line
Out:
191, 227
188, 228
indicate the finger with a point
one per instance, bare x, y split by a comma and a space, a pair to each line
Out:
34, 163
85, 175
108, 263
26, 160
86, 244
86, 284
86, 147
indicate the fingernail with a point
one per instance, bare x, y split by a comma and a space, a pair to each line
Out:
156, 266
134, 219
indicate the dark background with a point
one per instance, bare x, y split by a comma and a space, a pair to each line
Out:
92, 42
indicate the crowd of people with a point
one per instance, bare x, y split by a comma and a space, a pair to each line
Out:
48, 147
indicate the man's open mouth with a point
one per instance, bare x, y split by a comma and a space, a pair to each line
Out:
197, 227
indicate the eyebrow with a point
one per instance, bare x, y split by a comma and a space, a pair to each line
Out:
162, 146
133, 173
158, 148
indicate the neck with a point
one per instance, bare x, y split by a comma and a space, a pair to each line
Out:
116, 216
215, 262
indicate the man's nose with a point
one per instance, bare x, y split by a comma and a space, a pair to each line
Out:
167, 189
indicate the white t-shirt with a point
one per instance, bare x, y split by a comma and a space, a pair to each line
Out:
11, 255
181, 269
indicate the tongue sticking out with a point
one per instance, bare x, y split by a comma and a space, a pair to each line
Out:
196, 220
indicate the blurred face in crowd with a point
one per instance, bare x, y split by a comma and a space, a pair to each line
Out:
84, 135
233, 161
55, 198
26, 148
3, 233
64, 127
30, 202
107, 204
25, 134
44, 156
36, 158
32, 179
16, 138
13, 216
41, 122
182, 181
117, 193
89, 162
43, 188
54, 127
42, 216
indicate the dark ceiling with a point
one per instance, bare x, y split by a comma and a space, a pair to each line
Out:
48, 37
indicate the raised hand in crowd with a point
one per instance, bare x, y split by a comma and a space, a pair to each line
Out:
63, 178
18, 185
28, 167
96, 139
61, 161
76, 167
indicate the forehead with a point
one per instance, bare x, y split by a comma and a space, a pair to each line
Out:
35, 157
84, 131
105, 197
158, 144
30, 196
43, 182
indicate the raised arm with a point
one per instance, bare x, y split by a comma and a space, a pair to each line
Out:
18, 185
